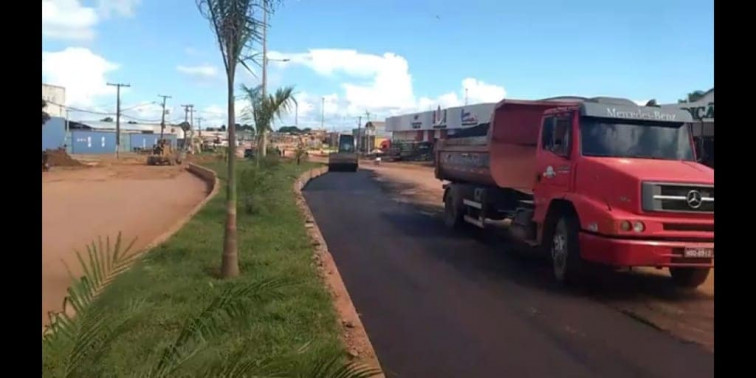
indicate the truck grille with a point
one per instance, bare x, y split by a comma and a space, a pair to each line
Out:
678, 198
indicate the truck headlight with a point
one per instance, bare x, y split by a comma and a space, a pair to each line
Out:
625, 226
638, 226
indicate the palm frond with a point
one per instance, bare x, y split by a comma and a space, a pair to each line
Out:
334, 367
84, 328
331, 365
230, 305
104, 262
236, 24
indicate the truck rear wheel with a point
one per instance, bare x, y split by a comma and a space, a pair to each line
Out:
453, 217
565, 251
689, 278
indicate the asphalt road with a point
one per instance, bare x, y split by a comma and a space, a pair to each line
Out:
442, 304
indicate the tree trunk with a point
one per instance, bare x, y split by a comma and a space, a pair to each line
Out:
230, 260
264, 144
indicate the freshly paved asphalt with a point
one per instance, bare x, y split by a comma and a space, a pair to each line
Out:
441, 304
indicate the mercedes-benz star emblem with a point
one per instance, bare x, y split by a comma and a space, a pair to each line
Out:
694, 199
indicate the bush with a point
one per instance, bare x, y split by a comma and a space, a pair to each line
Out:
253, 183
271, 161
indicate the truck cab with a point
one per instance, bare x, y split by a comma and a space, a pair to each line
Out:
627, 177
345, 158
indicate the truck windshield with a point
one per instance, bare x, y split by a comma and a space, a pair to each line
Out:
346, 143
641, 139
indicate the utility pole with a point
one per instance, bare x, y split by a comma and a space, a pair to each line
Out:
118, 114
187, 141
199, 126
162, 119
322, 111
359, 134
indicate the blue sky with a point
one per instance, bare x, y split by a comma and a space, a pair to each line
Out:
381, 56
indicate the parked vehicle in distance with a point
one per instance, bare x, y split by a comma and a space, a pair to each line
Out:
587, 181
345, 158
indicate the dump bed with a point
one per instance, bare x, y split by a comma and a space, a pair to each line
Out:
505, 156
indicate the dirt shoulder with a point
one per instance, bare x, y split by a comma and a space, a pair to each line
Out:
81, 204
645, 294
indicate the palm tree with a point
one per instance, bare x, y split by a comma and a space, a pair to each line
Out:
262, 110
236, 25
45, 116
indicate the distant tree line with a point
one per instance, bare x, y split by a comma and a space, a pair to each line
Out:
294, 130
692, 97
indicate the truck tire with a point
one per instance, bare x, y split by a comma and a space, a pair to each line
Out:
354, 168
565, 252
689, 278
453, 216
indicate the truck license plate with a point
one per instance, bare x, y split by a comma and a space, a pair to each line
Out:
699, 252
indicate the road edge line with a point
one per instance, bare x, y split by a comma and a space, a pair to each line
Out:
350, 322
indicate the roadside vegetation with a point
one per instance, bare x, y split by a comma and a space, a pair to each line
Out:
170, 313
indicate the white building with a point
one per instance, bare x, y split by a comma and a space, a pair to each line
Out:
702, 112
431, 125
55, 97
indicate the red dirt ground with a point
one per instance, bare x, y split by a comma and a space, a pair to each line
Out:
81, 204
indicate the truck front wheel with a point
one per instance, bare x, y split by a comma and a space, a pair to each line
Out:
453, 209
565, 251
689, 278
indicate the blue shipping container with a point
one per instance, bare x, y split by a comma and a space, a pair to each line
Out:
53, 133
147, 141
93, 142
143, 141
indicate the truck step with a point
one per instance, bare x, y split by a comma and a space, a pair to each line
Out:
498, 223
471, 203
474, 221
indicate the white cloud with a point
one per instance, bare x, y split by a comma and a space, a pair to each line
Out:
67, 19
124, 8
384, 80
216, 115
71, 20
203, 71
475, 90
379, 84
80, 71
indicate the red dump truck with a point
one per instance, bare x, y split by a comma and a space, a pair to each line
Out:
598, 181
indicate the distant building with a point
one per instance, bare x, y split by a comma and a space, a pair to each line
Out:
55, 97
703, 126
371, 135
437, 124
